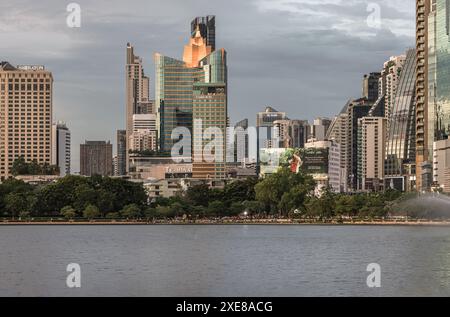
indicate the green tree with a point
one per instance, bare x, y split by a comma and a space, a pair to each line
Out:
284, 191
163, 212
21, 202
150, 213
254, 207
216, 208
131, 211
68, 212
198, 195
236, 208
177, 209
85, 195
91, 212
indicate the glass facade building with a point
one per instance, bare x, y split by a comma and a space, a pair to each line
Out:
174, 89
210, 108
438, 71
401, 141
207, 27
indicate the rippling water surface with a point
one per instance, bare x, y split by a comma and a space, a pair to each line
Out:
224, 260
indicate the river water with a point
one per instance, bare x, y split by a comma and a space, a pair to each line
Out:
224, 260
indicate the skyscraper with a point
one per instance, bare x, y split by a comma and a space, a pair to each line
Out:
388, 81
371, 153
210, 107
194, 90
422, 152
121, 153
61, 147
174, 91
26, 105
96, 158
137, 91
401, 144
207, 27
356, 110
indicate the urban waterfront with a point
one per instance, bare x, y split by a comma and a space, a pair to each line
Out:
236, 260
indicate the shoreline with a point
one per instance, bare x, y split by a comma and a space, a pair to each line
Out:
270, 222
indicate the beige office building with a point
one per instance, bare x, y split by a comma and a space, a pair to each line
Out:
137, 94
372, 152
422, 138
26, 102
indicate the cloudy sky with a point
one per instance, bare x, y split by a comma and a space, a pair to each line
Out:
306, 57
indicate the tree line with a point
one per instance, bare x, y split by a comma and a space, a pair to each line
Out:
283, 194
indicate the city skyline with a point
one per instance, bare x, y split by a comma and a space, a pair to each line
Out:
87, 62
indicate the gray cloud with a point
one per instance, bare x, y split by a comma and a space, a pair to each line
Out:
305, 57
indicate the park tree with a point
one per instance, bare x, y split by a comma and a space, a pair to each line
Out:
19, 202
284, 191
216, 208
91, 212
68, 212
131, 211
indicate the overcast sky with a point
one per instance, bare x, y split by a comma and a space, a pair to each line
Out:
305, 57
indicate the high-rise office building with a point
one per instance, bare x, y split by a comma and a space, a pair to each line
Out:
121, 155
371, 153
96, 158
137, 91
174, 91
422, 150
207, 27
401, 144
388, 82
61, 147
356, 110
432, 81
26, 105
191, 91
210, 106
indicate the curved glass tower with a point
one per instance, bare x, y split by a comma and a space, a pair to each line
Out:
401, 147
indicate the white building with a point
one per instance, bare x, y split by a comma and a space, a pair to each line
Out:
144, 136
